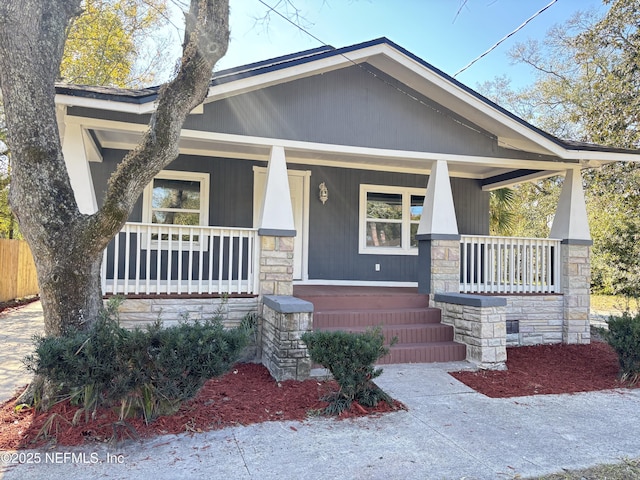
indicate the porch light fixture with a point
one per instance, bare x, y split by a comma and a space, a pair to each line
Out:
324, 193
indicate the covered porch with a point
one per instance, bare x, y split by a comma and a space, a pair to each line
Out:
543, 283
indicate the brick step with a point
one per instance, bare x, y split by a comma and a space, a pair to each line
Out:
400, 312
409, 333
353, 301
362, 318
425, 353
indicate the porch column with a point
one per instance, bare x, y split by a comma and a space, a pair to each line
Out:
76, 158
276, 229
438, 238
571, 226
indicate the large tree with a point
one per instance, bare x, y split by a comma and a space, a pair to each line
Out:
109, 43
587, 87
67, 245
587, 75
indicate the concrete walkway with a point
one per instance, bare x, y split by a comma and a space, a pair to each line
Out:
17, 328
449, 432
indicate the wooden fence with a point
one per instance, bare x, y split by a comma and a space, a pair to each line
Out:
17, 271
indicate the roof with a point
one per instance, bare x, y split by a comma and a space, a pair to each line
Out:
384, 55
115, 94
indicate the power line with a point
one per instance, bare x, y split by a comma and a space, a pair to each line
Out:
284, 17
503, 39
386, 82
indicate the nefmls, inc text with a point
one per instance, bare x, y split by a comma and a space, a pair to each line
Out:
60, 457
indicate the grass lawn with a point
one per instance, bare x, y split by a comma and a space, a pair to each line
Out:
626, 470
614, 303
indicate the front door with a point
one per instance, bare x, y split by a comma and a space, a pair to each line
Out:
299, 188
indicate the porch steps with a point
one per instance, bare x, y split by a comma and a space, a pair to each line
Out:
400, 312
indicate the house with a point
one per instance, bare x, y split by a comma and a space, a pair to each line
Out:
329, 176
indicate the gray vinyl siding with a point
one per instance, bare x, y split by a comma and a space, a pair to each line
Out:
230, 185
334, 226
345, 107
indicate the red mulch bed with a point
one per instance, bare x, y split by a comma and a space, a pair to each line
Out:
248, 394
545, 369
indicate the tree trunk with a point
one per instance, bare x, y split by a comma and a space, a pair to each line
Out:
71, 293
67, 246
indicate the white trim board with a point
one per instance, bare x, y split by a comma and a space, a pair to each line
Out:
299, 151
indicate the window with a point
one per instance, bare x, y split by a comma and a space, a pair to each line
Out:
177, 198
389, 219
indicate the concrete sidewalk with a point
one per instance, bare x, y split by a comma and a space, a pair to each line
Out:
449, 432
17, 328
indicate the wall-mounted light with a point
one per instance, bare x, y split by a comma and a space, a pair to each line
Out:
324, 193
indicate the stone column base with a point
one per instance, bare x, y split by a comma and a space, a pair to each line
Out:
480, 323
284, 354
576, 283
276, 265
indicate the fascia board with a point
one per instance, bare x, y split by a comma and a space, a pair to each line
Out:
602, 157
288, 74
525, 178
113, 106
349, 150
99, 104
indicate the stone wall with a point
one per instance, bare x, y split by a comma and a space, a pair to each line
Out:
284, 320
539, 318
480, 323
138, 312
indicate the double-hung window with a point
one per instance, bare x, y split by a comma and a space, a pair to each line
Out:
177, 198
389, 219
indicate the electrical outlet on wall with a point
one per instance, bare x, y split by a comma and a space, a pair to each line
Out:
377, 267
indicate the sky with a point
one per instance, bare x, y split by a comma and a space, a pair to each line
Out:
438, 31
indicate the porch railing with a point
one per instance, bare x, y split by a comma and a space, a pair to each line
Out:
509, 265
175, 259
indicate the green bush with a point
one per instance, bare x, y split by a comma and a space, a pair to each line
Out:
624, 337
350, 357
144, 373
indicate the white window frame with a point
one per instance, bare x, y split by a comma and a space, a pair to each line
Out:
147, 199
407, 193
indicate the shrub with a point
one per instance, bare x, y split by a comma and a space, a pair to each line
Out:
350, 358
624, 337
146, 372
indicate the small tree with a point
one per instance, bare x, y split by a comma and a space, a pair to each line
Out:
350, 357
623, 334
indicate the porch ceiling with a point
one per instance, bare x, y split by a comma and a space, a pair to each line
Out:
344, 156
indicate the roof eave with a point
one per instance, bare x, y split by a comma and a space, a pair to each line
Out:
393, 60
